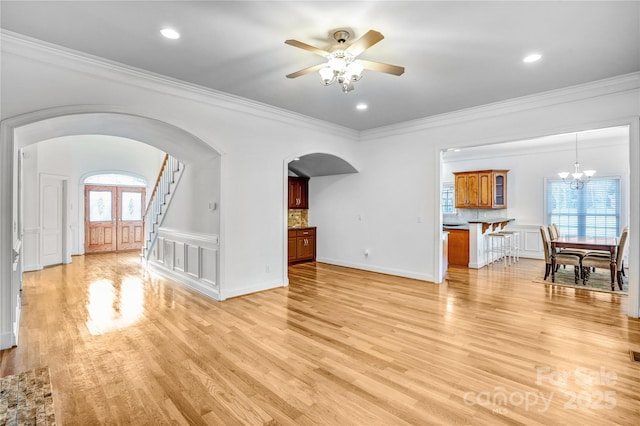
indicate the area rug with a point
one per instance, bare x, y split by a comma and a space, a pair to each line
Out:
598, 281
26, 399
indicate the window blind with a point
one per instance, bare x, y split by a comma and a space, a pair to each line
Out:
591, 211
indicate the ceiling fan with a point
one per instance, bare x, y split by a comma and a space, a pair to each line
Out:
342, 64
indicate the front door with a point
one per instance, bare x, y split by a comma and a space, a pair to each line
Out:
113, 218
130, 230
100, 218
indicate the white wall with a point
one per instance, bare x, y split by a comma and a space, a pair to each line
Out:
384, 209
195, 204
75, 157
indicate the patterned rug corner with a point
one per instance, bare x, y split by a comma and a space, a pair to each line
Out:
598, 281
26, 399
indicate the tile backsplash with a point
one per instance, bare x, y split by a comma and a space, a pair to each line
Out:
298, 218
465, 215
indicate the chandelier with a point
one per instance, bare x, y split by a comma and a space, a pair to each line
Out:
576, 182
343, 68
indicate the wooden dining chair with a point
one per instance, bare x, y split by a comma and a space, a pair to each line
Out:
597, 260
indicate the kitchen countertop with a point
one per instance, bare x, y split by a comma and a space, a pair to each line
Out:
454, 226
486, 222
492, 221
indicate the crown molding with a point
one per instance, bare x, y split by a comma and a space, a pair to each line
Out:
34, 49
592, 89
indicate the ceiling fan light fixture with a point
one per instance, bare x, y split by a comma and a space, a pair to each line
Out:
338, 64
341, 65
327, 76
354, 71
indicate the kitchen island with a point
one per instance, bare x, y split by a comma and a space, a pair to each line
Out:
477, 231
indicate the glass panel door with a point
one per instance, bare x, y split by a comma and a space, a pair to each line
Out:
131, 206
100, 203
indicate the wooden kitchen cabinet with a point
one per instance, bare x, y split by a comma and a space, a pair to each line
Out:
483, 189
302, 246
298, 192
292, 245
458, 247
466, 189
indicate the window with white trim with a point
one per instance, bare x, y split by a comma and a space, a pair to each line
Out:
448, 198
592, 211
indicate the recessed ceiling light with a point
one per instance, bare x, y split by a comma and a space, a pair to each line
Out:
532, 58
361, 107
170, 33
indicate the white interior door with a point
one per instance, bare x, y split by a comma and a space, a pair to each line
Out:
51, 220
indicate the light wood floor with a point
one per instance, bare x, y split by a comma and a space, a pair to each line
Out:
337, 347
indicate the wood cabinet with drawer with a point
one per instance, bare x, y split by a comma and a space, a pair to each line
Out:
302, 244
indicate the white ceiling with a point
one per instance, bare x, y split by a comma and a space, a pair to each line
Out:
456, 54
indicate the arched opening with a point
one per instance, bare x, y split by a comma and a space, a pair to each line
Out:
18, 133
307, 177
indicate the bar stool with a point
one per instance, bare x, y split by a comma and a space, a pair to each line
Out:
499, 248
515, 244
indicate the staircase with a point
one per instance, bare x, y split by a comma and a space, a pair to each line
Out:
165, 187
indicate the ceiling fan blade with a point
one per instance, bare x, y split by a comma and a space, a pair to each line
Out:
305, 46
380, 67
364, 42
306, 71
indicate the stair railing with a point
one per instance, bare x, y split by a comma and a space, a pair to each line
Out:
158, 201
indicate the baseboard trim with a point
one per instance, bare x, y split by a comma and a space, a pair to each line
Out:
378, 269
235, 292
184, 280
30, 268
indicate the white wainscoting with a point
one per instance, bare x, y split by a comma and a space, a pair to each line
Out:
530, 240
188, 258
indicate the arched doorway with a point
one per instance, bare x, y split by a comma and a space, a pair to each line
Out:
21, 131
303, 237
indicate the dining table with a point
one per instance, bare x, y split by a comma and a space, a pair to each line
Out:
609, 244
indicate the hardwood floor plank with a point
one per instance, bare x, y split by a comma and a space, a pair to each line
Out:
338, 346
